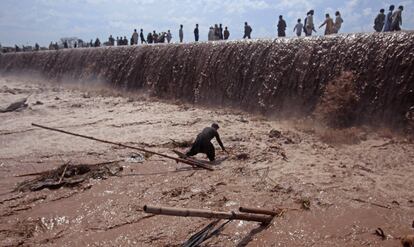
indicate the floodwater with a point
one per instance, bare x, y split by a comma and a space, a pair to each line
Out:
352, 183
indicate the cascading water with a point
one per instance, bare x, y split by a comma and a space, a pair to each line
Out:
280, 77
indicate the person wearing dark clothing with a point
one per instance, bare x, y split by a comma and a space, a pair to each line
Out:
141, 35
65, 45
111, 40
247, 31
134, 38
226, 33
379, 21
196, 33
221, 32
149, 38
97, 43
154, 37
216, 32
281, 27
203, 144
37, 47
181, 34
125, 40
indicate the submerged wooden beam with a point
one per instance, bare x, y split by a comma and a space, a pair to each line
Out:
185, 212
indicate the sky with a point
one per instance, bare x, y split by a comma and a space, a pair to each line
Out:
25, 22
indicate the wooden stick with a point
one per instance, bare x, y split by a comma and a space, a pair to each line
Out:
206, 214
63, 173
259, 211
188, 162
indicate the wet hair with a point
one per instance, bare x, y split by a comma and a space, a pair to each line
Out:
392, 7
382, 10
299, 20
337, 13
215, 126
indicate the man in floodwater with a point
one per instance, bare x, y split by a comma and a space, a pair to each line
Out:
203, 144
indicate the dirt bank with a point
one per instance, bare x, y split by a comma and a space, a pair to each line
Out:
284, 77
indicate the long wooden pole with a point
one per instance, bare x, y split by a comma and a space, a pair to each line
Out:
188, 162
206, 214
259, 211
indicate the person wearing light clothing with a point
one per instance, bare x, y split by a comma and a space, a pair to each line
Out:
309, 23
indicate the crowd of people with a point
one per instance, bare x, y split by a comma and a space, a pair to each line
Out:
390, 22
382, 23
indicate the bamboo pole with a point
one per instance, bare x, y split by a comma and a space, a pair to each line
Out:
259, 211
183, 212
188, 162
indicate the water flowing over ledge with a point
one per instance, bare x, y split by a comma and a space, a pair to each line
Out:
276, 77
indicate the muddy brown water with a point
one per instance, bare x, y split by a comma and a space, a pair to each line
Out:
352, 188
356, 180
280, 77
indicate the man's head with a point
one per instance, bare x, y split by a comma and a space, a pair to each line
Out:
280, 17
299, 20
311, 12
196, 25
142, 30
181, 26
215, 126
401, 8
392, 7
382, 11
135, 30
245, 23
327, 15
337, 13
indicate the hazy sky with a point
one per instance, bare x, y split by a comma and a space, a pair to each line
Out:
29, 21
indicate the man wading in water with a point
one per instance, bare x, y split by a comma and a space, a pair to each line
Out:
203, 144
